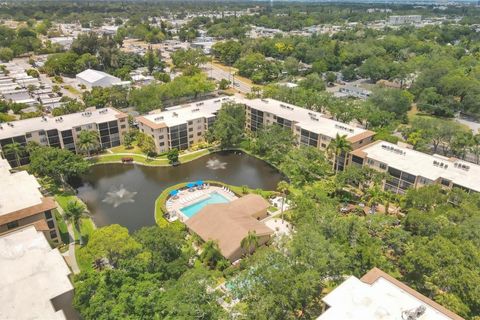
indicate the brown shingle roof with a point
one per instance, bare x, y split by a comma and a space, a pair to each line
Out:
361, 136
46, 204
229, 223
374, 274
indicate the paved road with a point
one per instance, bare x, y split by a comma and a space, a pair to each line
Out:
217, 73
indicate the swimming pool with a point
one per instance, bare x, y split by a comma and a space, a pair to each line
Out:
214, 197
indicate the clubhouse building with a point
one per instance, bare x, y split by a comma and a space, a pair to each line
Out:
63, 131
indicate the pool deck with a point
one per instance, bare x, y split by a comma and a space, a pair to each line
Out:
189, 197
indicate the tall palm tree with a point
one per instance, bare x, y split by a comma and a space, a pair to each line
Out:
16, 149
74, 212
250, 242
88, 140
211, 254
373, 196
282, 187
338, 146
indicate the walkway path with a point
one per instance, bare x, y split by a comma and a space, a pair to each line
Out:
70, 254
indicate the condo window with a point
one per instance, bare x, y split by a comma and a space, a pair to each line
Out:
162, 144
190, 136
28, 135
48, 214
190, 122
123, 126
12, 225
383, 166
199, 133
160, 137
78, 129
50, 224
53, 234
190, 129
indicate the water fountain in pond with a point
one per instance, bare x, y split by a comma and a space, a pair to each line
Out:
119, 196
216, 164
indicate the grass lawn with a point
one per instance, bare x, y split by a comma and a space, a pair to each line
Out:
64, 198
86, 228
137, 158
71, 89
194, 155
122, 149
62, 227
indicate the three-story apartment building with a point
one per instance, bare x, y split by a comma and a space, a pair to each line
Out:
408, 168
182, 126
63, 131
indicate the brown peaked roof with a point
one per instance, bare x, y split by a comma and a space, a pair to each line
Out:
361, 136
229, 223
374, 274
46, 204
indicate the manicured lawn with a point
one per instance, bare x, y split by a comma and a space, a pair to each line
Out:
122, 149
71, 89
64, 198
62, 227
86, 228
137, 158
194, 155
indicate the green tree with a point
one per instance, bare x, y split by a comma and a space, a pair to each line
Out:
283, 188
88, 140
337, 147
250, 243
15, 149
74, 212
113, 243
228, 52
59, 164
172, 156
189, 60
392, 100
273, 142
305, 165
211, 255
230, 124
6, 54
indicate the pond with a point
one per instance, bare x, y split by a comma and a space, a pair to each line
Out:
126, 194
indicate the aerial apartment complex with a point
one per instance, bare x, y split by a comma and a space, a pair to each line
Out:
62, 131
379, 296
181, 126
409, 168
309, 127
22, 204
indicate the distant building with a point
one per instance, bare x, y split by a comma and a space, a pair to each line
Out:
63, 131
94, 78
353, 91
205, 46
229, 223
35, 280
408, 168
64, 42
379, 296
22, 204
401, 20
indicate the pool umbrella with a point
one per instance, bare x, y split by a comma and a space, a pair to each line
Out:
199, 182
190, 185
173, 192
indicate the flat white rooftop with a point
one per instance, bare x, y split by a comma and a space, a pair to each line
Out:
422, 164
382, 299
19, 190
65, 122
32, 275
182, 114
309, 120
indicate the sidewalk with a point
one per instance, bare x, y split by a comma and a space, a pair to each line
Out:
69, 255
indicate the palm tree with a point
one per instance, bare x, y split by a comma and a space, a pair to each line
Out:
16, 149
74, 212
282, 187
88, 140
374, 196
250, 242
338, 146
211, 254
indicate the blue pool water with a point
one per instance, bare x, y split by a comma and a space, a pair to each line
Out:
192, 210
